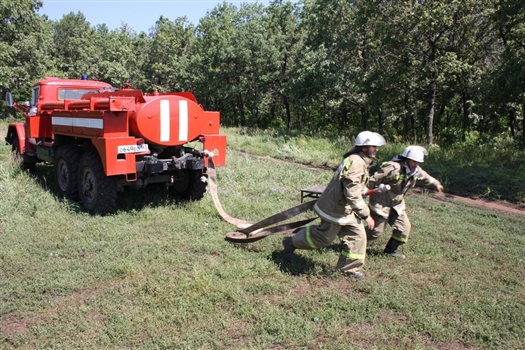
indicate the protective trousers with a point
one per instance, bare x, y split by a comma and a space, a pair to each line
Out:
401, 226
353, 237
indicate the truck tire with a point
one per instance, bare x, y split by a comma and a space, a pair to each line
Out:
26, 162
189, 186
66, 171
97, 192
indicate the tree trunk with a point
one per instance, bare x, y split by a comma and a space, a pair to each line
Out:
432, 41
241, 110
523, 127
380, 117
439, 115
412, 128
257, 117
364, 118
466, 110
235, 119
408, 123
512, 123
430, 117
288, 113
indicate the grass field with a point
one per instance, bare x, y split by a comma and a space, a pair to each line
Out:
158, 274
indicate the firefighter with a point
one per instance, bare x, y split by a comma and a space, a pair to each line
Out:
401, 173
341, 208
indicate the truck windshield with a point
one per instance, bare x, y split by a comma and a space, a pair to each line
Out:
34, 95
73, 94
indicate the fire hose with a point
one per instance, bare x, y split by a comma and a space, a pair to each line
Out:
250, 232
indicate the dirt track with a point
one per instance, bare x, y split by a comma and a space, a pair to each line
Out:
508, 208
476, 202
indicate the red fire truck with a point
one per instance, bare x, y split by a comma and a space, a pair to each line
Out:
101, 139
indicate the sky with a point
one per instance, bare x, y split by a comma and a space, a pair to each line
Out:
140, 15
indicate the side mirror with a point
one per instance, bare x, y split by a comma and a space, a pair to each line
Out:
9, 99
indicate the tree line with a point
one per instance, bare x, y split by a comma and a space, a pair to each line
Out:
433, 71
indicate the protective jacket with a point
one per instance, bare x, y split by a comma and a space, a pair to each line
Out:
394, 173
342, 199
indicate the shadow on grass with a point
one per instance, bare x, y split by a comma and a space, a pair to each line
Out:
153, 196
376, 250
302, 265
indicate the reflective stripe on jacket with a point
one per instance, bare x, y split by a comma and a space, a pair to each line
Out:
343, 197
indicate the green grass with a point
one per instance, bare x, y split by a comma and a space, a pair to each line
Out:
158, 274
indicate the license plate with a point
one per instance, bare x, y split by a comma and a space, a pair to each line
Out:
133, 148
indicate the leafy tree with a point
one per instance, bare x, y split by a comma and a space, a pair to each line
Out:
24, 45
117, 57
283, 53
509, 90
140, 44
413, 70
166, 66
249, 68
75, 47
212, 54
327, 75
425, 57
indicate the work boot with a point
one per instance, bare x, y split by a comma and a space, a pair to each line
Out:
288, 249
391, 249
356, 275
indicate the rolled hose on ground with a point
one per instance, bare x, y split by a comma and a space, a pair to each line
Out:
248, 232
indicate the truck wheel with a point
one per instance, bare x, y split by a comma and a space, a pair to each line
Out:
26, 162
66, 171
189, 185
97, 192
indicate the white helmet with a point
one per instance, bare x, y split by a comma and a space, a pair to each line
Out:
369, 138
416, 153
